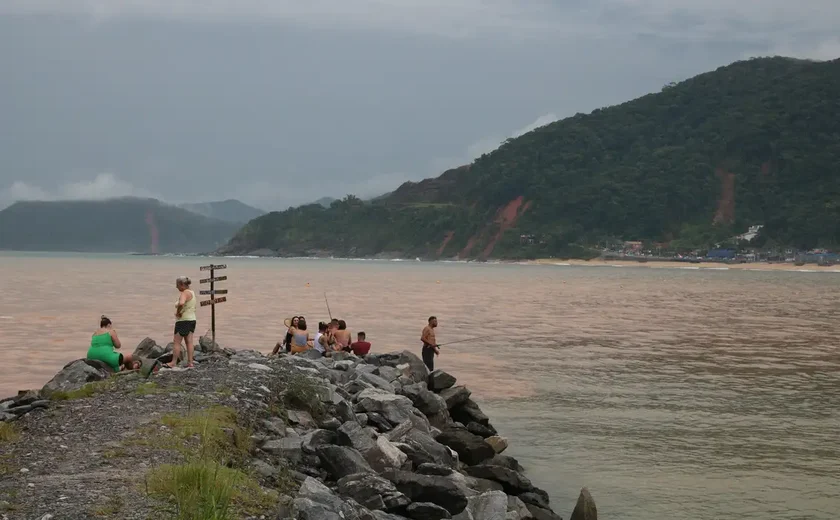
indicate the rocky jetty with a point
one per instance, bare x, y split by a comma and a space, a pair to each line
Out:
248, 436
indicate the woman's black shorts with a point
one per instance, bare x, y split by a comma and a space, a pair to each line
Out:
184, 328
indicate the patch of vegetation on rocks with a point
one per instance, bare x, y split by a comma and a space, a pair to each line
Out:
301, 393
8, 432
89, 390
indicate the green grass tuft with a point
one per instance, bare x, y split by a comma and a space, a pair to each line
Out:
207, 490
210, 434
89, 390
152, 388
302, 393
8, 432
113, 506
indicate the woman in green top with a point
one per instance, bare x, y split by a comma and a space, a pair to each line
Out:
103, 347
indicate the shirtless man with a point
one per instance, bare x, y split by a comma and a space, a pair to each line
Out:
430, 346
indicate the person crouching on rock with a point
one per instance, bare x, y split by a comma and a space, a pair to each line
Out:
184, 321
103, 347
301, 341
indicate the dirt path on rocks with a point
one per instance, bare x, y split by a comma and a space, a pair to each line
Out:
89, 457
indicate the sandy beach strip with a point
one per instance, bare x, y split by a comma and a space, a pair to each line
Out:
752, 266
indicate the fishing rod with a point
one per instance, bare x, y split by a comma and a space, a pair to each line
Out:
328, 305
468, 339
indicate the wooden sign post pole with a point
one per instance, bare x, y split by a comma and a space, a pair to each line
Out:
213, 292
212, 307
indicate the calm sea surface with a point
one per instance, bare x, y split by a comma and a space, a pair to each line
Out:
671, 394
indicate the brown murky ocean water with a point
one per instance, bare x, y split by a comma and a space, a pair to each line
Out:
670, 393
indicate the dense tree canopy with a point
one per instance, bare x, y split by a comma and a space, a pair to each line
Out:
756, 142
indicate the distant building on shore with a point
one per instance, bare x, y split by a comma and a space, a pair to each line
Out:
751, 233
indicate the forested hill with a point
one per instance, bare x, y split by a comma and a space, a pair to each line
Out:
116, 225
230, 210
755, 142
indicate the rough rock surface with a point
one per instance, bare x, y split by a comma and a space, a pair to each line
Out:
471, 448
585, 508
331, 438
440, 380
74, 375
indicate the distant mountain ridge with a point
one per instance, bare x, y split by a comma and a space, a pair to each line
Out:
754, 142
230, 210
115, 225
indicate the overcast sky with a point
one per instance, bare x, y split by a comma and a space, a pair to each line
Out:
280, 102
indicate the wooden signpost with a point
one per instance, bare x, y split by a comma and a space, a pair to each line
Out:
213, 292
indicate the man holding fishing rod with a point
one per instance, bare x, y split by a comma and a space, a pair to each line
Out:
430, 346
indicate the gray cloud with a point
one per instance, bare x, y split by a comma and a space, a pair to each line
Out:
103, 186
676, 18
282, 102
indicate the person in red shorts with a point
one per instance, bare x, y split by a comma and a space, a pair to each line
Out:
360, 347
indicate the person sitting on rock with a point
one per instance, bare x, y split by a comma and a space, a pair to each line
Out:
360, 347
287, 341
103, 347
301, 340
343, 338
321, 342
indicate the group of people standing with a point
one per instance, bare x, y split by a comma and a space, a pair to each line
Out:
332, 336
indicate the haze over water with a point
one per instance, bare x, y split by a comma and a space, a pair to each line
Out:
671, 394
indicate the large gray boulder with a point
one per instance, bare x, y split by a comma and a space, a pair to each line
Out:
505, 461
353, 435
423, 488
287, 447
316, 501
469, 412
148, 349
417, 370
424, 400
472, 449
75, 375
585, 508
340, 461
206, 344
455, 396
440, 380
372, 491
427, 511
376, 381
491, 505
512, 482
310, 442
394, 408
427, 444
519, 509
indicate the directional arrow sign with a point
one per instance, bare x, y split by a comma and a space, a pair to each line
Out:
208, 267
216, 279
214, 291
213, 301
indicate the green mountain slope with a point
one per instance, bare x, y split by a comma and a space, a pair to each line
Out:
230, 210
756, 142
116, 225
